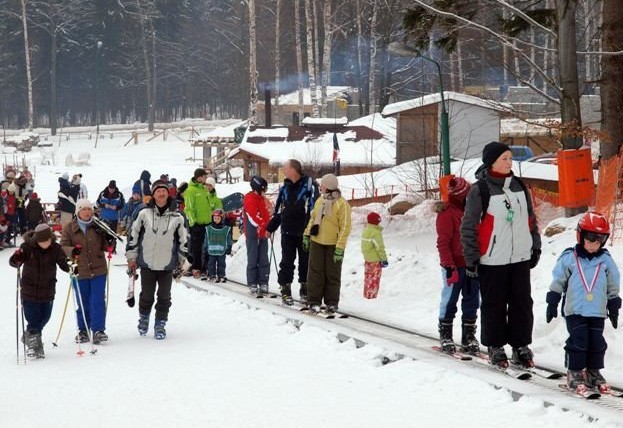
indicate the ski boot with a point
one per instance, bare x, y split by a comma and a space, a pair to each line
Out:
523, 356
286, 295
263, 289
159, 330
331, 310
469, 343
143, 324
99, 337
303, 293
211, 279
82, 336
31, 340
196, 273
445, 337
314, 309
594, 379
497, 357
223, 279
576, 381
39, 347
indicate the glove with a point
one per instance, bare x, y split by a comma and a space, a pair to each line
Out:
534, 258
274, 223
472, 271
552, 298
613, 307
132, 265
110, 240
73, 269
384, 263
17, 258
76, 251
338, 255
452, 275
306, 242
228, 251
189, 259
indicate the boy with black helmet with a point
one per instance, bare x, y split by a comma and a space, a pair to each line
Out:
589, 279
256, 218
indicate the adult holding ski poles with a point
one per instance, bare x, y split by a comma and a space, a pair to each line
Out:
38, 257
157, 244
84, 237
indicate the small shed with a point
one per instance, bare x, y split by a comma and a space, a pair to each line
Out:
473, 122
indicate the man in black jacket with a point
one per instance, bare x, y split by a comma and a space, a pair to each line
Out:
294, 204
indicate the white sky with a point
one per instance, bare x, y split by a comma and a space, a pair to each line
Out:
225, 364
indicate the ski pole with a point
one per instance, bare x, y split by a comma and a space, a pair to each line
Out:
17, 317
21, 304
81, 306
71, 286
272, 254
108, 256
63, 317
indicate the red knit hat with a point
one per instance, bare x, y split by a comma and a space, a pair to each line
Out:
458, 188
374, 218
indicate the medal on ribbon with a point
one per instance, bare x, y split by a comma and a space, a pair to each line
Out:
588, 287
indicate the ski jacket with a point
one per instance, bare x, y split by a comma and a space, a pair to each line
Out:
38, 280
142, 186
198, 204
507, 233
218, 239
67, 195
295, 203
448, 225
110, 204
92, 259
567, 279
10, 204
334, 227
34, 211
21, 192
132, 208
255, 213
158, 241
372, 245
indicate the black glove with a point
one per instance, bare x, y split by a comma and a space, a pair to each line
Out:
17, 258
228, 251
552, 298
110, 240
189, 259
613, 307
76, 251
472, 271
534, 258
274, 223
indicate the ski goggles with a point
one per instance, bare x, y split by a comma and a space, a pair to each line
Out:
596, 237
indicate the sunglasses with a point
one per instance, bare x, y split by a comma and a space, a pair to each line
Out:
595, 237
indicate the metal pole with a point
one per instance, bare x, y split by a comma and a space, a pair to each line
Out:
97, 91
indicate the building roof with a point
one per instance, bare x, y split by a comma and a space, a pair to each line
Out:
399, 107
292, 98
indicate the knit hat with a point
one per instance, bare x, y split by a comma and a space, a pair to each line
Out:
174, 181
10, 174
164, 177
65, 176
82, 204
42, 232
492, 152
199, 172
112, 184
12, 188
458, 188
159, 184
329, 182
34, 195
374, 218
211, 181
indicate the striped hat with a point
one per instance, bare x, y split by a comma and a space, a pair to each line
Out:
458, 188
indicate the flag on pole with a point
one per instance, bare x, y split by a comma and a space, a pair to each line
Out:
336, 149
341, 103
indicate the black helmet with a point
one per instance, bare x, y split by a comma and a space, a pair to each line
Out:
258, 184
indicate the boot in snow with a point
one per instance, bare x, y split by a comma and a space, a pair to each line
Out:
445, 337
303, 293
594, 379
469, 343
263, 289
82, 336
159, 329
39, 346
31, 343
99, 337
143, 324
497, 356
253, 289
523, 356
286, 295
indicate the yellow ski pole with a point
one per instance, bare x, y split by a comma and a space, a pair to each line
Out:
63, 317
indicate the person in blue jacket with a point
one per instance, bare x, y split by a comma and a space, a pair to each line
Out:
110, 201
588, 278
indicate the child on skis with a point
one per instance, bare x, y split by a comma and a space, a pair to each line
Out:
455, 282
374, 256
217, 245
39, 255
589, 279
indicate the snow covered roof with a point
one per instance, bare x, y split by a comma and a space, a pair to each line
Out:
366, 141
325, 121
533, 127
399, 107
292, 98
220, 133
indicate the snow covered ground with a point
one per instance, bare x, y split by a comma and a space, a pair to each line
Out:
225, 365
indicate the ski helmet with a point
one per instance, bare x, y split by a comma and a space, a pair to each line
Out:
594, 227
218, 213
258, 184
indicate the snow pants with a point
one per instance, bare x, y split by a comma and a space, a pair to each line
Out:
150, 281
291, 248
37, 315
506, 309
91, 296
586, 346
197, 236
258, 265
216, 266
371, 279
324, 277
468, 288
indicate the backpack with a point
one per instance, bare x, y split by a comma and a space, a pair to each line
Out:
485, 195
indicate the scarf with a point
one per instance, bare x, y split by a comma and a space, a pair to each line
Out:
327, 205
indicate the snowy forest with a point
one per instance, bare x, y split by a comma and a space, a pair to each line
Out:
71, 62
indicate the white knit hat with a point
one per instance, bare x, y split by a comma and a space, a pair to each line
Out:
329, 182
211, 181
82, 204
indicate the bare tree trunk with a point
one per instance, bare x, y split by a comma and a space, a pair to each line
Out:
326, 56
53, 101
372, 72
277, 56
311, 67
252, 66
154, 79
360, 48
299, 55
147, 65
612, 79
459, 54
31, 109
